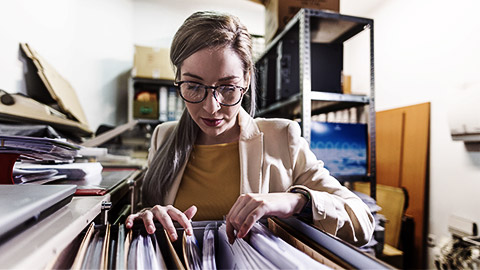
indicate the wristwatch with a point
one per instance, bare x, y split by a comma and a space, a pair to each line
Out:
307, 209
301, 191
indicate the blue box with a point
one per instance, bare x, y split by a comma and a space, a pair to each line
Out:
342, 147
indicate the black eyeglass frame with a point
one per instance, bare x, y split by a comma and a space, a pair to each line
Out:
214, 88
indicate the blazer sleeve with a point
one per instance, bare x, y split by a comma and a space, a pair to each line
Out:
336, 209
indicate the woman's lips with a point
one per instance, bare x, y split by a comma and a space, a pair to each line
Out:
211, 122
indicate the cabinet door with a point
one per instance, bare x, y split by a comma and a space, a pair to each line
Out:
402, 161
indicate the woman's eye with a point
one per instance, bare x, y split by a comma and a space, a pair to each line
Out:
192, 86
228, 88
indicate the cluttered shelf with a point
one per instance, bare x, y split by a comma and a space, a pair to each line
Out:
322, 102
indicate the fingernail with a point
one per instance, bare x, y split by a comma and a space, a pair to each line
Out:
129, 224
151, 229
174, 237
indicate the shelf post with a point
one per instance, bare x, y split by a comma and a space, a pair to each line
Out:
371, 119
305, 74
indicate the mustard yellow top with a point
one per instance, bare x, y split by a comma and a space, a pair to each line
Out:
211, 181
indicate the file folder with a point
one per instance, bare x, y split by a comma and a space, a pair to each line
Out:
141, 250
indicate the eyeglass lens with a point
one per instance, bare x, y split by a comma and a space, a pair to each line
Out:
225, 94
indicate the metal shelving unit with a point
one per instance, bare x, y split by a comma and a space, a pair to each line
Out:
333, 29
133, 85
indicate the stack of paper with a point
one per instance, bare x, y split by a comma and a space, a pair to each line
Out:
209, 247
33, 148
24, 173
39, 176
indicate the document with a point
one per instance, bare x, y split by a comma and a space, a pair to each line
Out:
173, 253
82, 250
240, 255
105, 248
38, 148
120, 257
133, 254
72, 171
279, 252
158, 253
21, 176
93, 258
191, 252
277, 230
208, 250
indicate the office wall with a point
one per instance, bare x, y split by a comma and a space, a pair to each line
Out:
90, 43
156, 21
427, 51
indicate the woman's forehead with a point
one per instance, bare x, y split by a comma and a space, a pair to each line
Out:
218, 62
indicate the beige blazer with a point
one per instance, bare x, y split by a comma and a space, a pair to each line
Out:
275, 158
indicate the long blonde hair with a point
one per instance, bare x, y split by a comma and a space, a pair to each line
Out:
201, 30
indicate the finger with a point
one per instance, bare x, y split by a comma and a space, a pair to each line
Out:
236, 208
190, 212
147, 217
250, 204
253, 217
230, 232
166, 221
181, 218
129, 220
232, 214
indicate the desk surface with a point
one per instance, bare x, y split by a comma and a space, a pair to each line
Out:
35, 247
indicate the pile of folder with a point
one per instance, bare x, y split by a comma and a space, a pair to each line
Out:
113, 247
24, 173
34, 148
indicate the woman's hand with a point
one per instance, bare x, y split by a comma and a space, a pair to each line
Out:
166, 215
249, 208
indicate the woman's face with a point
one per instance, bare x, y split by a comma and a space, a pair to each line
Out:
213, 67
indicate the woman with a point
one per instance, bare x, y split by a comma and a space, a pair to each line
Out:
221, 161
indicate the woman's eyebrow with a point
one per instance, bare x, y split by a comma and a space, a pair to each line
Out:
228, 78
192, 75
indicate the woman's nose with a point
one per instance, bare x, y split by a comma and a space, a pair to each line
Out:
210, 104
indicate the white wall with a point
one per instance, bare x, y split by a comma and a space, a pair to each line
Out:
156, 21
428, 51
90, 43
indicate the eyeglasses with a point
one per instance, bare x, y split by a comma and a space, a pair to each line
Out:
226, 95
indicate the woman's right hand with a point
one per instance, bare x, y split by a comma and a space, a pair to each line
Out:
166, 215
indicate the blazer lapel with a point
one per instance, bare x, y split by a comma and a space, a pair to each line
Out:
251, 154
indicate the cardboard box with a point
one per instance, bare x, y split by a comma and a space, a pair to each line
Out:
153, 63
279, 12
59, 91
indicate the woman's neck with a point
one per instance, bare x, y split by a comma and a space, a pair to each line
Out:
229, 136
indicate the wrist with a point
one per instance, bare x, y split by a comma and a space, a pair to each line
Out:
305, 200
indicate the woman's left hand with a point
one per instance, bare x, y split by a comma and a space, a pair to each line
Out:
249, 208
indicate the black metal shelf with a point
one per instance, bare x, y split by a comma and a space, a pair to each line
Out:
322, 102
318, 35
329, 27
